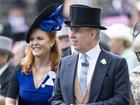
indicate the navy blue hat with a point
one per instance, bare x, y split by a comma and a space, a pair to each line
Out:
84, 16
50, 19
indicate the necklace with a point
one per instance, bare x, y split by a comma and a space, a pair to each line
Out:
40, 75
39, 78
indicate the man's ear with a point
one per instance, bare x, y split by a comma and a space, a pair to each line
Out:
93, 33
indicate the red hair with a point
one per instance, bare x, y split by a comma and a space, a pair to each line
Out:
55, 54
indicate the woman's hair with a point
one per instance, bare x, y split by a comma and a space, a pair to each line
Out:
55, 55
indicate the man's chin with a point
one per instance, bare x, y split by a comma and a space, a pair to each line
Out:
75, 47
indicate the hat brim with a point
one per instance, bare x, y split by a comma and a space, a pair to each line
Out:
7, 52
94, 26
46, 12
68, 23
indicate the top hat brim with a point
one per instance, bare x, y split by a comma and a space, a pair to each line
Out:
94, 26
68, 23
46, 12
7, 52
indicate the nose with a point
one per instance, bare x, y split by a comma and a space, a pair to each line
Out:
34, 42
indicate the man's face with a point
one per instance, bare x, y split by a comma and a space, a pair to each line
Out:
16, 12
3, 59
82, 38
64, 42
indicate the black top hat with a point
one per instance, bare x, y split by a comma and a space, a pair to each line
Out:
84, 16
46, 12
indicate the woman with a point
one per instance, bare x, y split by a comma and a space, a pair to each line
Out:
33, 81
120, 43
135, 74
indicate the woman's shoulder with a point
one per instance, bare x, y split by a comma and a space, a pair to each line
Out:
19, 70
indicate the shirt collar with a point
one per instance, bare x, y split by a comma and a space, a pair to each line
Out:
73, 50
93, 52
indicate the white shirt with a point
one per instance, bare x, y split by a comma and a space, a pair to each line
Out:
73, 51
3, 68
92, 56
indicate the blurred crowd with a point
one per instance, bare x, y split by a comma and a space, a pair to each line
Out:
121, 17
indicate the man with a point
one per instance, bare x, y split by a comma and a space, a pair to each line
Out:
19, 52
63, 37
16, 25
5, 66
103, 42
94, 76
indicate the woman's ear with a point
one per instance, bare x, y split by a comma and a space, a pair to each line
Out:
52, 43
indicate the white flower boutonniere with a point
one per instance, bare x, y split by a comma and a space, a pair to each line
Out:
103, 61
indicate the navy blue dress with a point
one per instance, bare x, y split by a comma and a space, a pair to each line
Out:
23, 85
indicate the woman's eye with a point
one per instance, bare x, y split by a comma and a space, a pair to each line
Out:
40, 38
31, 39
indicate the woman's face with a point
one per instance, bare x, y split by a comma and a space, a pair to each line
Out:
40, 43
116, 46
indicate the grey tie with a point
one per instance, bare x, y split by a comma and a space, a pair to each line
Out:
83, 73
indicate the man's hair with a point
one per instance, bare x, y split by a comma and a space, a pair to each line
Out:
97, 33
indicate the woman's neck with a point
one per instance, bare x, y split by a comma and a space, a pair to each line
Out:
41, 62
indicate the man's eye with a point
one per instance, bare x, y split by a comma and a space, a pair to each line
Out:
71, 28
77, 30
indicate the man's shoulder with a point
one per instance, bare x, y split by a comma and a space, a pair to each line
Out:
111, 55
106, 54
70, 57
115, 59
66, 51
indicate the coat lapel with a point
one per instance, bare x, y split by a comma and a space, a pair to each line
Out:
101, 68
66, 52
6, 73
71, 67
